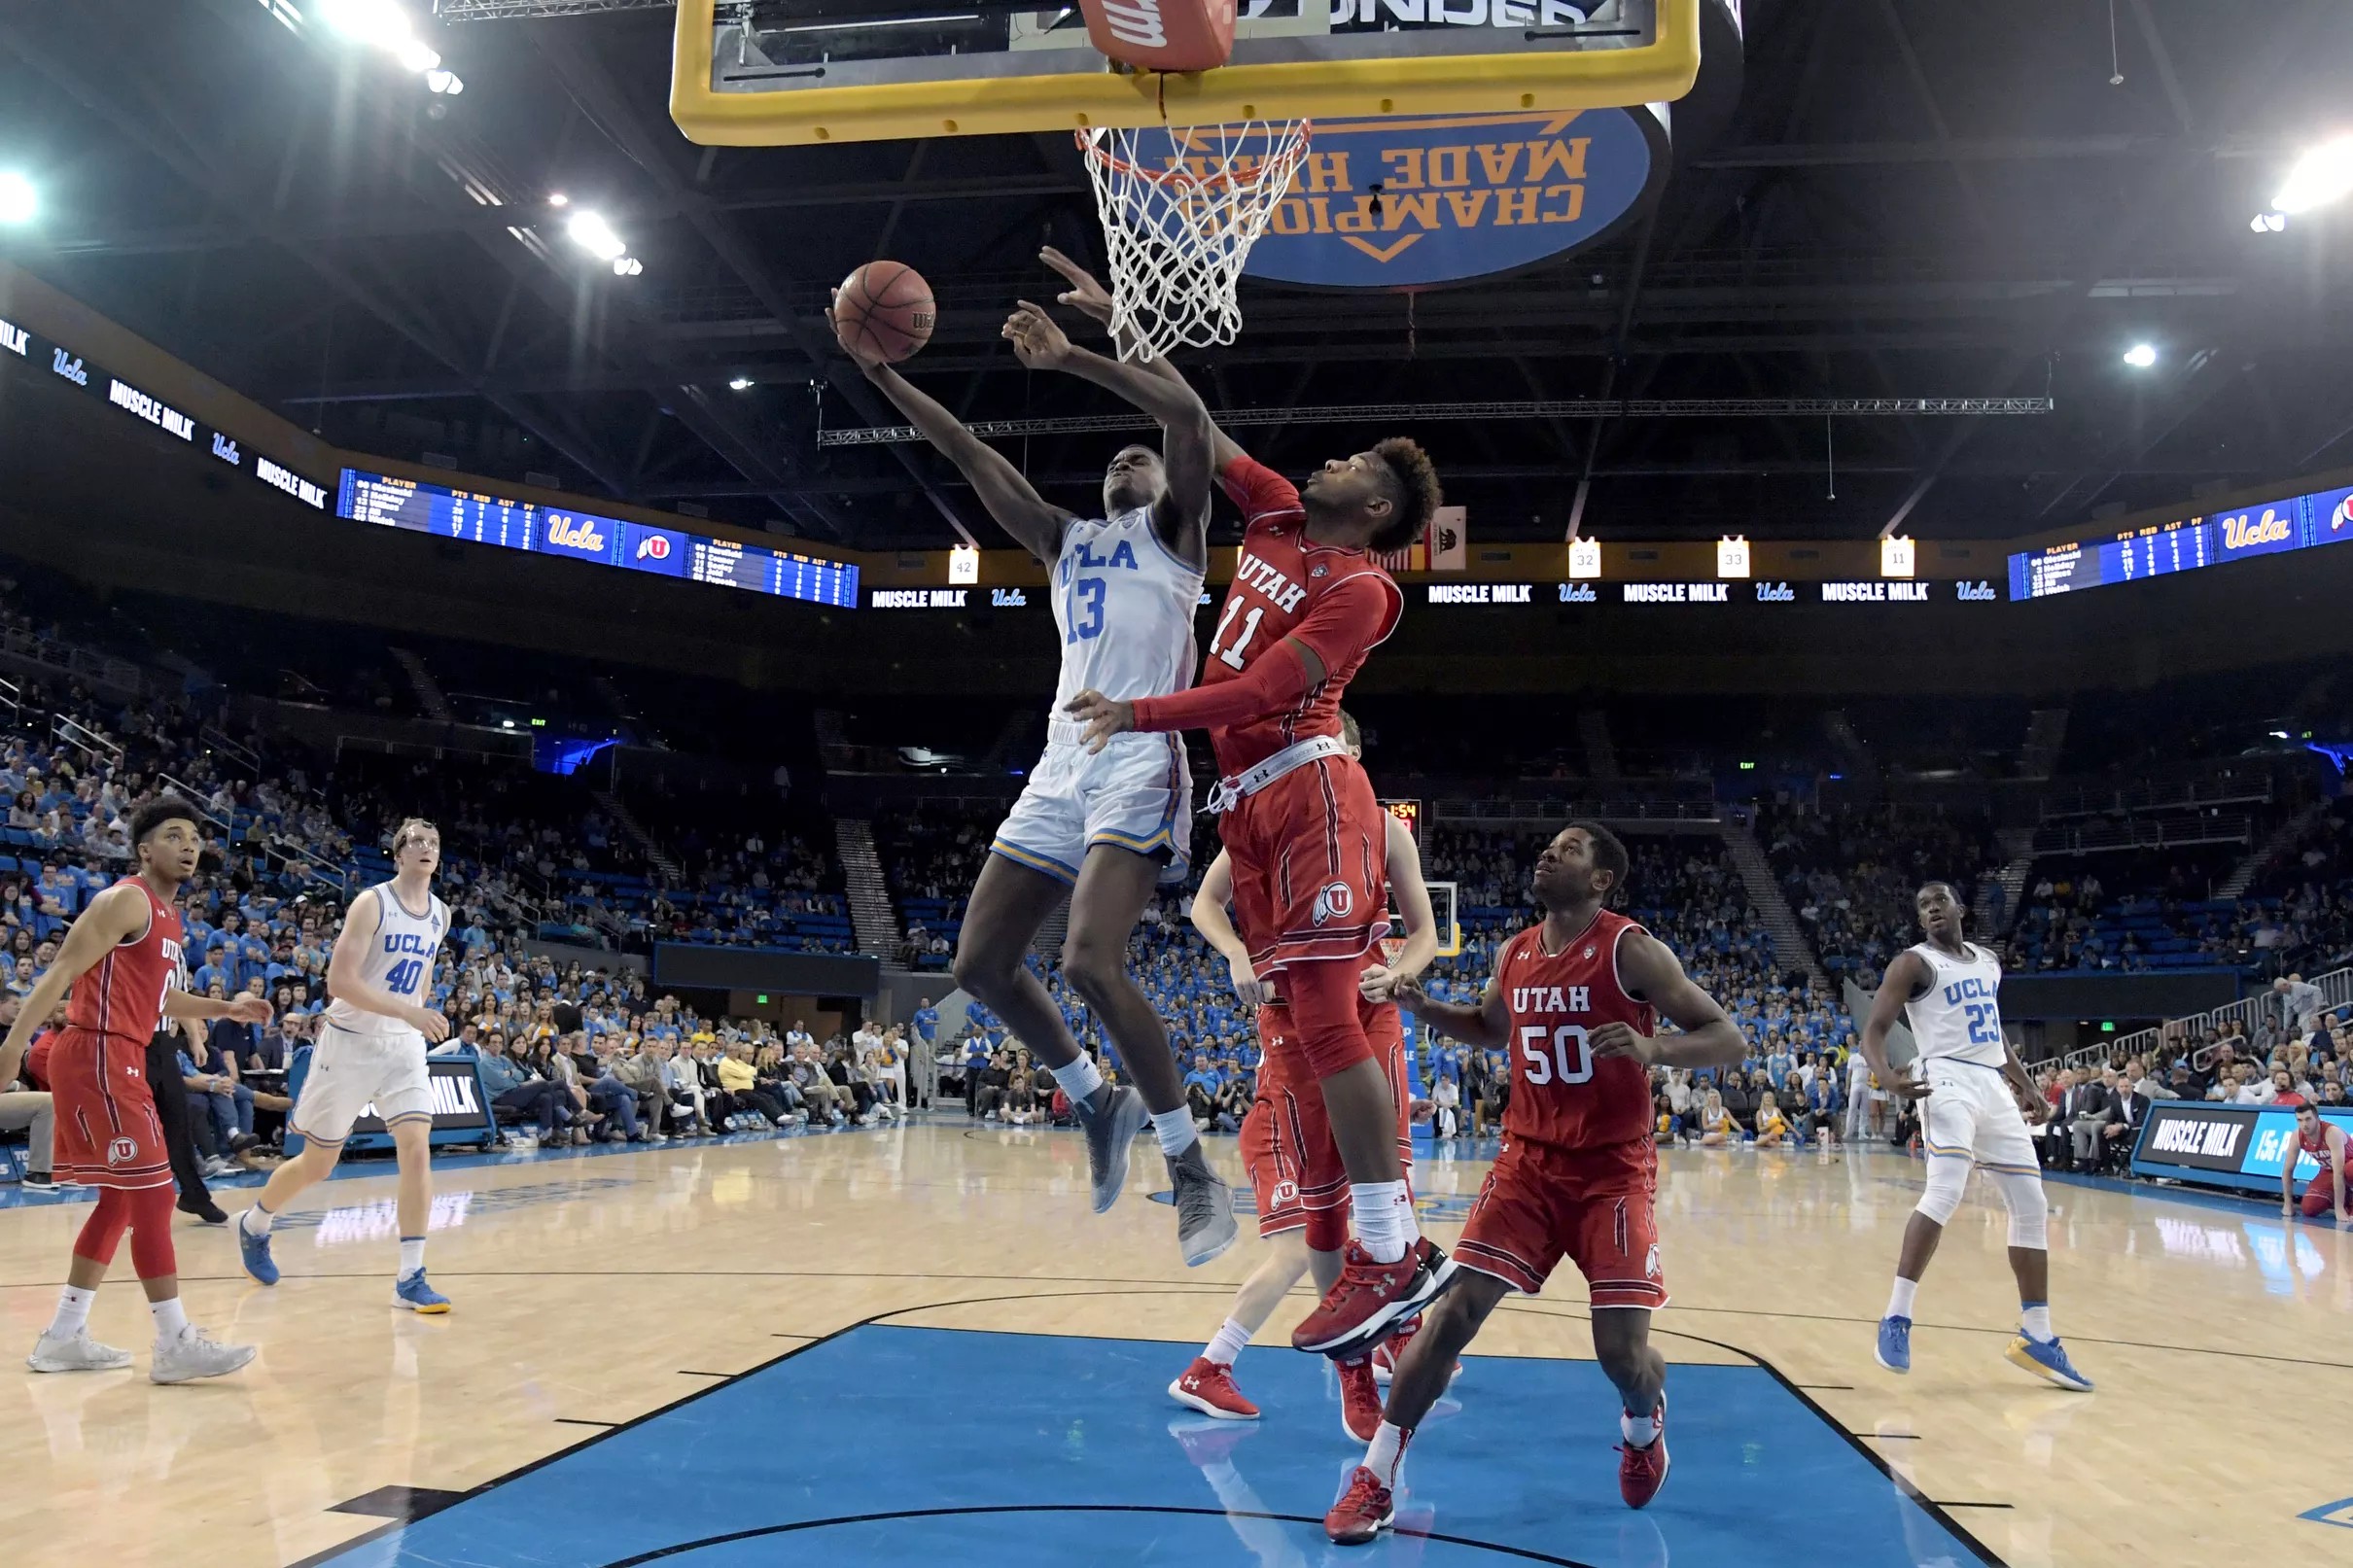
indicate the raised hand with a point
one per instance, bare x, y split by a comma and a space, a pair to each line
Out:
1039, 343
1084, 294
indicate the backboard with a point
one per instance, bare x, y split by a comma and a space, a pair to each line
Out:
748, 73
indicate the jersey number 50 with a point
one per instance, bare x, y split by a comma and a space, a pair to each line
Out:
1568, 1060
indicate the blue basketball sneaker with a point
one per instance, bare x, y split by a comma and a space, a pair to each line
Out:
255, 1251
2048, 1360
1894, 1351
417, 1296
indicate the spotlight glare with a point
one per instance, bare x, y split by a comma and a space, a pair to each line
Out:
19, 202
742, 383
381, 22
559, 199
2140, 356
417, 56
591, 233
2320, 176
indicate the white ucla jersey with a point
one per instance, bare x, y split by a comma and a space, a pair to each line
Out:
399, 958
1124, 603
1957, 1018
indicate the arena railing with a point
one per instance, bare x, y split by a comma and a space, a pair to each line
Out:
2179, 795
1527, 812
2335, 990
2141, 833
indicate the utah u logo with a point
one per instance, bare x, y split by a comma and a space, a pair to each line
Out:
1650, 1265
1286, 1193
1334, 903
122, 1152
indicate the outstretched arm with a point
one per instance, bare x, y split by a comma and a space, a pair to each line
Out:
1034, 523
1709, 1038
1486, 1025
1091, 298
1182, 515
1344, 622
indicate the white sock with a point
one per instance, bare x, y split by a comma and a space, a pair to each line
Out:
2035, 1318
1227, 1344
1079, 1078
256, 1220
73, 1312
1385, 1455
1899, 1300
1177, 1131
1384, 1216
1639, 1431
412, 1255
172, 1322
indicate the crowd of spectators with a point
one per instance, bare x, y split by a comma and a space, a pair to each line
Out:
1850, 874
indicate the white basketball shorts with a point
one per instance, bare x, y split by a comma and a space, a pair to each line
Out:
1137, 793
351, 1073
1969, 1112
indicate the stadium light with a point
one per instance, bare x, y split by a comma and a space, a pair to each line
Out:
380, 23
444, 82
2140, 356
557, 198
742, 383
591, 233
2319, 176
19, 202
2267, 223
627, 266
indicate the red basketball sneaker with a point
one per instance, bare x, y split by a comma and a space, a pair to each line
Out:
1363, 1511
1642, 1471
1208, 1387
1359, 1399
1392, 1351
1368, 1297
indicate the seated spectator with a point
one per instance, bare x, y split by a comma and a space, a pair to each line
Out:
639, 1070
847, 1082
1716, 1125
817, 1090
1772, 1128
27, 1110
1446, 1108
515, 1088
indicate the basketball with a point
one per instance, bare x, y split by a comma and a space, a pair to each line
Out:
885, 308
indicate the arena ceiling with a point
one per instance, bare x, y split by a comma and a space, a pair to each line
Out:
1911, 200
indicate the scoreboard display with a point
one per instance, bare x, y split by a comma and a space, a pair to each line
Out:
2266, 528
577, 535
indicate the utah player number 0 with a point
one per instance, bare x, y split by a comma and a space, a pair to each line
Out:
1570, 1060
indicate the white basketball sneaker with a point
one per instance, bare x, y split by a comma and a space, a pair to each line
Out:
75, 1352
192, 1356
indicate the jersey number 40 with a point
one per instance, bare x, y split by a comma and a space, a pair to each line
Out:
1555, 1054
403, 978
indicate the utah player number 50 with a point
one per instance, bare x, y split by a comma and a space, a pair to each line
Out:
1569, 1046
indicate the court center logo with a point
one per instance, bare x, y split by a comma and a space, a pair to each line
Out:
1334, 902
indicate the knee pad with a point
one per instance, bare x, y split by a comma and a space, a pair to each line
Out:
1948, 1179
2029, 1209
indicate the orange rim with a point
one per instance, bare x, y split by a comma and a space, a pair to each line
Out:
1186, 177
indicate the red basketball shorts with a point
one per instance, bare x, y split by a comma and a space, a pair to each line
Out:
2321, 1197
1287, 1142
1597, 1207
1310, 866
106, 1131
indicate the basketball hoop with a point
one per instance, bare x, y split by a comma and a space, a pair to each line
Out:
1182, 207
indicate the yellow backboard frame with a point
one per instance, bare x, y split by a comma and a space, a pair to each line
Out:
1659, 72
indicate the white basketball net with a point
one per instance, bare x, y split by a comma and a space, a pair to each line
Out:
1178, 236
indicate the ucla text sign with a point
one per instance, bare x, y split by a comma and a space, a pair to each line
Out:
1408, 202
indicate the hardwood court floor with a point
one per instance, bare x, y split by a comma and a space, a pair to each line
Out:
999, 1396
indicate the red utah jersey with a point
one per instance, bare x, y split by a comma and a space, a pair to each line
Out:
2318, 1150
123, 994
1561, 1096
1282, 579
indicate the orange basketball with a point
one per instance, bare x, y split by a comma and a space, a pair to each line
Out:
885, 308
